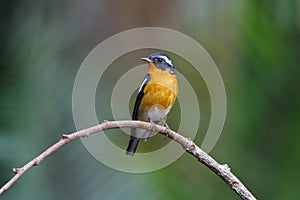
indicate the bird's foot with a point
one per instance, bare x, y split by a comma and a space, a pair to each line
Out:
150, 130
167, 127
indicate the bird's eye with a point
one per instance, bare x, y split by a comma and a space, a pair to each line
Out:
160, 60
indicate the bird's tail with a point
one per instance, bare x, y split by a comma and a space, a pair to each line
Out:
133, 143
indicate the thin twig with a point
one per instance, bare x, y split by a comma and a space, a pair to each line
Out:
222, 171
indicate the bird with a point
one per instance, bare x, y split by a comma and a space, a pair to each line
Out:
156, 96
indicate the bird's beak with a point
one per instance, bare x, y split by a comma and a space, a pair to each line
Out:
147, 60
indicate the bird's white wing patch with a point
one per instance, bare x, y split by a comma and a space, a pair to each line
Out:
143, 83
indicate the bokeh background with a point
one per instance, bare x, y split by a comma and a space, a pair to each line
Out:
254, 43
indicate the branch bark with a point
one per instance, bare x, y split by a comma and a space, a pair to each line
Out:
222, 170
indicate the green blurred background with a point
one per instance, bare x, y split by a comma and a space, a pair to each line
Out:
254, 43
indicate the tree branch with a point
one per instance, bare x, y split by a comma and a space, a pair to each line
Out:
222, 171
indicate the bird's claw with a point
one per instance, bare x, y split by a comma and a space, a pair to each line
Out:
150, 130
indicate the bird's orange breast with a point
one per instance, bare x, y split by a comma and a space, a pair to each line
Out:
160, 90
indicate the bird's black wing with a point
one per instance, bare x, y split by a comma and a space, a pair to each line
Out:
140, 97
134, 141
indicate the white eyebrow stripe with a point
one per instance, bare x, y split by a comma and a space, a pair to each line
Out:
166, 59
